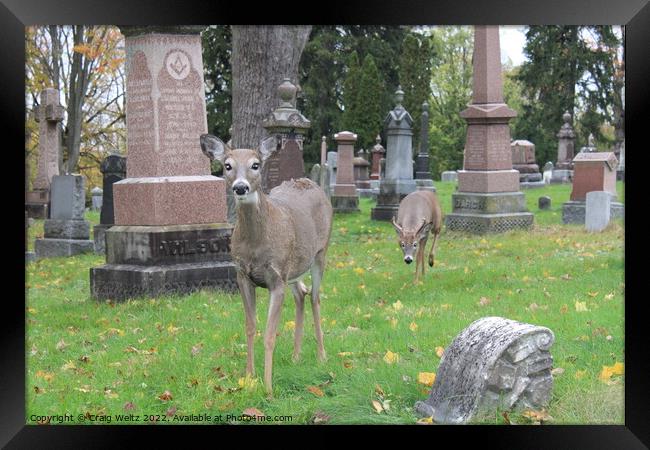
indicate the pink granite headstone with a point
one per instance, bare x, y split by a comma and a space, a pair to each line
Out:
168, 177
345, 186
594, 171
487, 165
378, 152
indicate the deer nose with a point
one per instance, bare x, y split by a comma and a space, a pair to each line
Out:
408, 260
240, 189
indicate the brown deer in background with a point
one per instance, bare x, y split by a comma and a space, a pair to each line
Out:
418, 214
277, 239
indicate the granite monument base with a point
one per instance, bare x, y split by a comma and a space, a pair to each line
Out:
99, 237
480, 213
52, 247
424, 185
29, 257
531, 184
366, 193
390, 195
155, 260
344, 203
573, 212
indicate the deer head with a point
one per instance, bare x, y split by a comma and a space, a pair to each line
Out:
242, 167
410, 239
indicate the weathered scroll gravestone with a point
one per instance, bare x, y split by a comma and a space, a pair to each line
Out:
66, 232
289, 126
493, 363
377, 153
113, 169
49, 115
398, 180
171, 233
488, 198
593, 171
344, 196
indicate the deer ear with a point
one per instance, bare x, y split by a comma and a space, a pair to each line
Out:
213, 147
267, 147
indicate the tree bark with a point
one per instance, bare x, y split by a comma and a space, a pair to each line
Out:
261, 57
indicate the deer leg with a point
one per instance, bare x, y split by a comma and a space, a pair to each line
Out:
432, 252
247, 290
317, 270
299, 291
422, 250
275, 308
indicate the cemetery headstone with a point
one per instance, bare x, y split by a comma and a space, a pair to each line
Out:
597, 210
314, 174
48, 114
289, 126
171, 233
593, 171
113, 169
523, 161
344, 197
449, 175
547, 172
398, 181
563, 170
590, 147
423, 178
332, 158
29, 256
97, 197
360, 165
494, 363
66, 232
488, 198
544, 202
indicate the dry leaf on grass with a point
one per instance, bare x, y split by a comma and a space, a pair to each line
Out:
316, 391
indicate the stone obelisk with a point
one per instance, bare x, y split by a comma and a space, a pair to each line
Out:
488, 198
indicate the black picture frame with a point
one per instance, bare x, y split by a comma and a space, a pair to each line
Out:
635, 14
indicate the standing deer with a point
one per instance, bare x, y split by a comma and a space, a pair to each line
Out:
418, 213
277, 239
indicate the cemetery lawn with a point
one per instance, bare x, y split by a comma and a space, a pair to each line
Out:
180, 355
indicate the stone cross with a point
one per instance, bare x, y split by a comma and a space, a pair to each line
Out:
488, 198
48, 114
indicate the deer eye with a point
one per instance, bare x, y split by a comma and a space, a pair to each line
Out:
402, 244
415, 244
227, 166
255, 166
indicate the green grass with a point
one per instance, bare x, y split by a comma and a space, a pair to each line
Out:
85, 357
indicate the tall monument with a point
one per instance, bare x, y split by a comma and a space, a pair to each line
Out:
488, 198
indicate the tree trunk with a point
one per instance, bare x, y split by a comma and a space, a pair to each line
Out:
261, 57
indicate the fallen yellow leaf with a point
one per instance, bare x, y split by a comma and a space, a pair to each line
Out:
390, 357
247, 382
426, 378
316, 391
608, 371
425, 421
413, 326
581, 306
359, 270
290, 325
397, 305
580, 374
377, 406
440, 351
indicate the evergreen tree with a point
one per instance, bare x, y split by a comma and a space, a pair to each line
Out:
415, 78
368, 103
217, 48
451, 84
569, 68
351, 120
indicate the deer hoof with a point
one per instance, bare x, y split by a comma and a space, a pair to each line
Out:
430, 260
